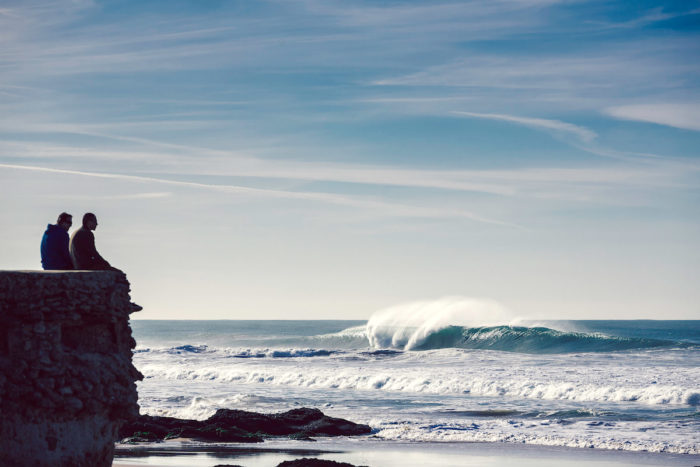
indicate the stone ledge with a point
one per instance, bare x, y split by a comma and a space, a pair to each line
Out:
67, 382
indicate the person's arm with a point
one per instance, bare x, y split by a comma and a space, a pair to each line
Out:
98, 262
45, 260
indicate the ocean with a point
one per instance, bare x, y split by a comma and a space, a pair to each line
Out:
621, 385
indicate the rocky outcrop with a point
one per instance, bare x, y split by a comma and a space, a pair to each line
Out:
240, 426
303, 462
66, 377
311, 462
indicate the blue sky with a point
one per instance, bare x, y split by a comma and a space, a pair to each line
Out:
325, 159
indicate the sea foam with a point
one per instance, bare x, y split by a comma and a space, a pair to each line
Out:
450, 370
406, 326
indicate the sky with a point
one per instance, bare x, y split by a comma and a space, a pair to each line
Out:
304, 159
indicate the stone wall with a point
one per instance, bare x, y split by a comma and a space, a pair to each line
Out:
66, 378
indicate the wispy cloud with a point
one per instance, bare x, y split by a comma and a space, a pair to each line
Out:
225, 38
539, 123
383, 208
652, 16
589, 79
685, 116
592, 183
128, 196
425, 55
466, 16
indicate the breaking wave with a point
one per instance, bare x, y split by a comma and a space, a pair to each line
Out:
533, 340
478, 324
457, 323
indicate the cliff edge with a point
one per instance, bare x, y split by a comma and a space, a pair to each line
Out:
67, 383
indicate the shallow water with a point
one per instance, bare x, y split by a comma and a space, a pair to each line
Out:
377, 453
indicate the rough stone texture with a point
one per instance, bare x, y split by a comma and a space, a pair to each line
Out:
66, 377
241, 426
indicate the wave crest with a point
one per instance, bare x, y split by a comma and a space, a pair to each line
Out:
465, 323
535, 340
408, 325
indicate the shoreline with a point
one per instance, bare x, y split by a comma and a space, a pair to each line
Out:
369, 452
439, 407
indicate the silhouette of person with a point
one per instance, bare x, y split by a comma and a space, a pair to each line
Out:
54, 244
82, 247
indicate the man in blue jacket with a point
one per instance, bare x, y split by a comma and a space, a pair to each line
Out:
54, 244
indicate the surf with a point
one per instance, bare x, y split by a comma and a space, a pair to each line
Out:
468, 323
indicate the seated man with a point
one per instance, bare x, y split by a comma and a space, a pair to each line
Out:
82, 246
54, 244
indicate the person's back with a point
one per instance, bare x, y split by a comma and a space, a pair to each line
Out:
54, 244
82, 246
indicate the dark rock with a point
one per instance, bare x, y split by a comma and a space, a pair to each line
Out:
142, 437
241, 426
309, 422
311, 462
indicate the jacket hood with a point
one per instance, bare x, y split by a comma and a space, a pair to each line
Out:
54, 228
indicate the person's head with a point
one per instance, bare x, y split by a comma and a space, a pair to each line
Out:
90, 221
65, 220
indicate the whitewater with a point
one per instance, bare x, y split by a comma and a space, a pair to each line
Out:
456, 370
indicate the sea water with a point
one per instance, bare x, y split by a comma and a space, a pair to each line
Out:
630, 385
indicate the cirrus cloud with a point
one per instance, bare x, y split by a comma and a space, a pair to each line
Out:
539, 123
684, 116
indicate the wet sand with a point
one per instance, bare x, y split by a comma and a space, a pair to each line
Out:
375, 453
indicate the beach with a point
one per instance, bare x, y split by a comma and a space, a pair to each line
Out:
373, 453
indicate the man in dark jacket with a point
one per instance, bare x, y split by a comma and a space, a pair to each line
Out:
82, 246
54, 244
